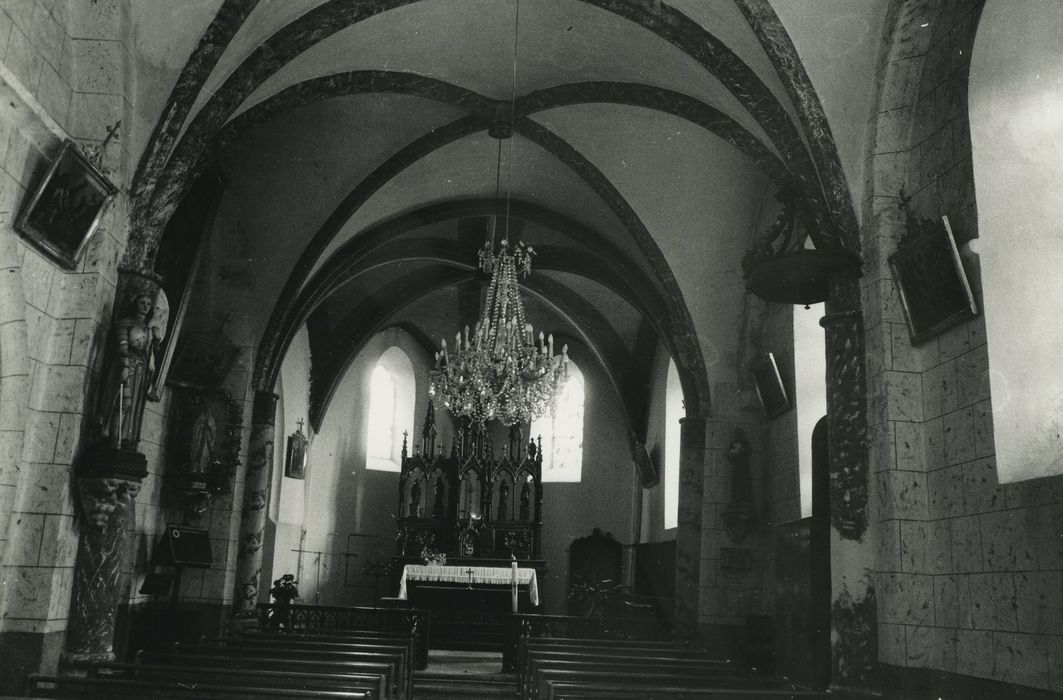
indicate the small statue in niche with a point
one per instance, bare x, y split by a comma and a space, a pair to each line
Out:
525, 502
415, 499
202, 443
438, 509
135, 337
503, 501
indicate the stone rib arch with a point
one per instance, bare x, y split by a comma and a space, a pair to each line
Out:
154, 207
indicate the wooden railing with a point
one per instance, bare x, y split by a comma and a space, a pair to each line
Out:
315, 618
555, 626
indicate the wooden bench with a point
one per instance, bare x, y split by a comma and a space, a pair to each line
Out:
603, 690
246, 661
354, 644
657, 665
43, 686
223, 675
389, 659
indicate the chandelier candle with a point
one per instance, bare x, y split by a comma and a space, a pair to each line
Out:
500, 374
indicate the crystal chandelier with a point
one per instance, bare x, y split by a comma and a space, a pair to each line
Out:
498, 371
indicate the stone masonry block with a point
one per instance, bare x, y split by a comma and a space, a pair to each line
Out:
939, 390
99, 66
958, 429
952, 602
981, 492
23, 60
909, 446
60, 388
907, 599
60, 542
26, 539
915, 536
75, 296
974, 653
1021, 659
946, 492
891, 644
903, 495
1005, 544
993, 602
1040, 599
931, 647
49, 489
939, 547
967, 544
42, 430
904, 397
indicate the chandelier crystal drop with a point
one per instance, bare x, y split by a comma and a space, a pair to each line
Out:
498, 371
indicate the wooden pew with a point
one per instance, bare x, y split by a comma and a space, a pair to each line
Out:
224, 675
608, 650
322, 619
666, 691
241, 660
353, 644
390, 660
43, 686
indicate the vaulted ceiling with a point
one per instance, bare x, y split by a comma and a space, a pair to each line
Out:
648, 140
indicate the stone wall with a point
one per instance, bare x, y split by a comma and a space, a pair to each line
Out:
968, 570
63, 74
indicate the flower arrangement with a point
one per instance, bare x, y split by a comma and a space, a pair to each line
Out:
285, 589
433, 557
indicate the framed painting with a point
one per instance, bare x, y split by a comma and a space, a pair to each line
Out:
770, 388
67, 206
933, 288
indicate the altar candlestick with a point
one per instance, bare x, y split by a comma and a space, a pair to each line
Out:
513, 584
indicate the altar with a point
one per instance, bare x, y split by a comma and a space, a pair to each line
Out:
468, 604
475, 577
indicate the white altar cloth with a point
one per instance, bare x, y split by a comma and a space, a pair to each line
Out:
498, 575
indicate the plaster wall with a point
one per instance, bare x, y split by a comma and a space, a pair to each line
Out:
1016, 98
968, 570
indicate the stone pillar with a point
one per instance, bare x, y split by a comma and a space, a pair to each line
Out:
854, 617
109, 472
107, 483
688, 534
256, 500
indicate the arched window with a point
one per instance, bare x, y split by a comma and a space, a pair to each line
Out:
1016, 112
392, 389
673, 412
562, 433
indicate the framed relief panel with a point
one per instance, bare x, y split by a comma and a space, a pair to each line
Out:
67, 206
931, 282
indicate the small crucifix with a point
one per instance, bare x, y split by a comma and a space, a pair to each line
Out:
470, 572
300, 424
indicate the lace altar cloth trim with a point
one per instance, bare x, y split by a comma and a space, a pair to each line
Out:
465, 574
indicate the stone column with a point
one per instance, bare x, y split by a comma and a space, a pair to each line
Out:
256, 500
854, 617
688, 537
107, 483
109, 472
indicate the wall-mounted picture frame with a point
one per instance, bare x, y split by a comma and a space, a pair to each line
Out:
770, 387
295, 457
67, 206
933, 288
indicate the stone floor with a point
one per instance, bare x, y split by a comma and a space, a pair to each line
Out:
454, 675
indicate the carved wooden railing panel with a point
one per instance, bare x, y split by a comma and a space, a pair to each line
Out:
323, 618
